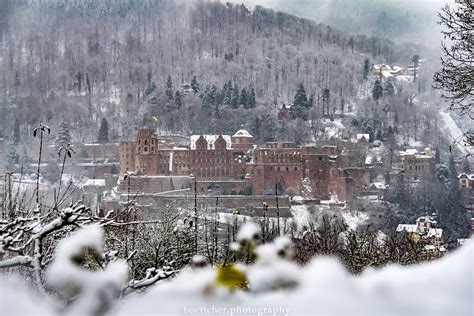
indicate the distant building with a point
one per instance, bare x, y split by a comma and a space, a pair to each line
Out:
234, 164
466, 181
426, 229
284, 113
388, 71
415, 164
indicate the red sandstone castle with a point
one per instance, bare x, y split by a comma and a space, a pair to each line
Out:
236, 159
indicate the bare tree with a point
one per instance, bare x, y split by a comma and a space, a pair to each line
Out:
40, 129
456, 78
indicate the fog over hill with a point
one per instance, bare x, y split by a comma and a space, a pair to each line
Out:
128, 61
396, 19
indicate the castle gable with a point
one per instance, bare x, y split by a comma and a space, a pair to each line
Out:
211, 141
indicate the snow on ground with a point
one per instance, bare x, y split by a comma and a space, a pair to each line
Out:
354, 219
277, 286
453, 131
302, 216
17, 299
333, 128
322, 287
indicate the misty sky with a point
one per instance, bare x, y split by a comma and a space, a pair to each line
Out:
280, 3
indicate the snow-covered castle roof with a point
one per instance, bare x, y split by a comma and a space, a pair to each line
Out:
211, 139
242, 133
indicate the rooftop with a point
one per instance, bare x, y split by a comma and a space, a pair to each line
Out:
242, 133
211, 139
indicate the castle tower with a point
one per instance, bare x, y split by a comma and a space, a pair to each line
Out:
242, 140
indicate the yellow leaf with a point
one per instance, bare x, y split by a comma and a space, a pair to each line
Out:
231, 277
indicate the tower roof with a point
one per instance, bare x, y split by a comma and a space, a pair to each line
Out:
242, 133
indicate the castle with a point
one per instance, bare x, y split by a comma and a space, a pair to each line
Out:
235, 162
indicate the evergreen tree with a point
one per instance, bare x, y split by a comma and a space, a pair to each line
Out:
63, 136
227, 92
16, 132
452, 216
195, 85
234, 103
169, 88
389, 88
150, 89
178, 103
206, 98
103, 131
299, 112
13, 159
442, 172
154, 100
366, 69
311, 101
452, 167
326, 99
466, 166
301, 99
377, 91
243, 98
25, 163
251, 102
437, 157
416, 61
214, 96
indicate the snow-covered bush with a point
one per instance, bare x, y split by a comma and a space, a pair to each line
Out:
79, 273
276, 285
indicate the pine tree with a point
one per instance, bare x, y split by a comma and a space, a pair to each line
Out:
13, 159
252, 103
227, 93
214, 96
437, 157
16, 132
416, 61
377, 91
234, 103
326, 100
195, 85
206, 97
466, 166
452, 167
243, 98
169, 88
25, 163
389, 88
366, 69
63, 136
301, 100
178, 103
103, 131
311, 101
453, 217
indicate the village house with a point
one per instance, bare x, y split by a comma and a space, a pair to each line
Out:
415, 164
425, 229
466, 181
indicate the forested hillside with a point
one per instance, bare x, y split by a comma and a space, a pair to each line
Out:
127, 61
